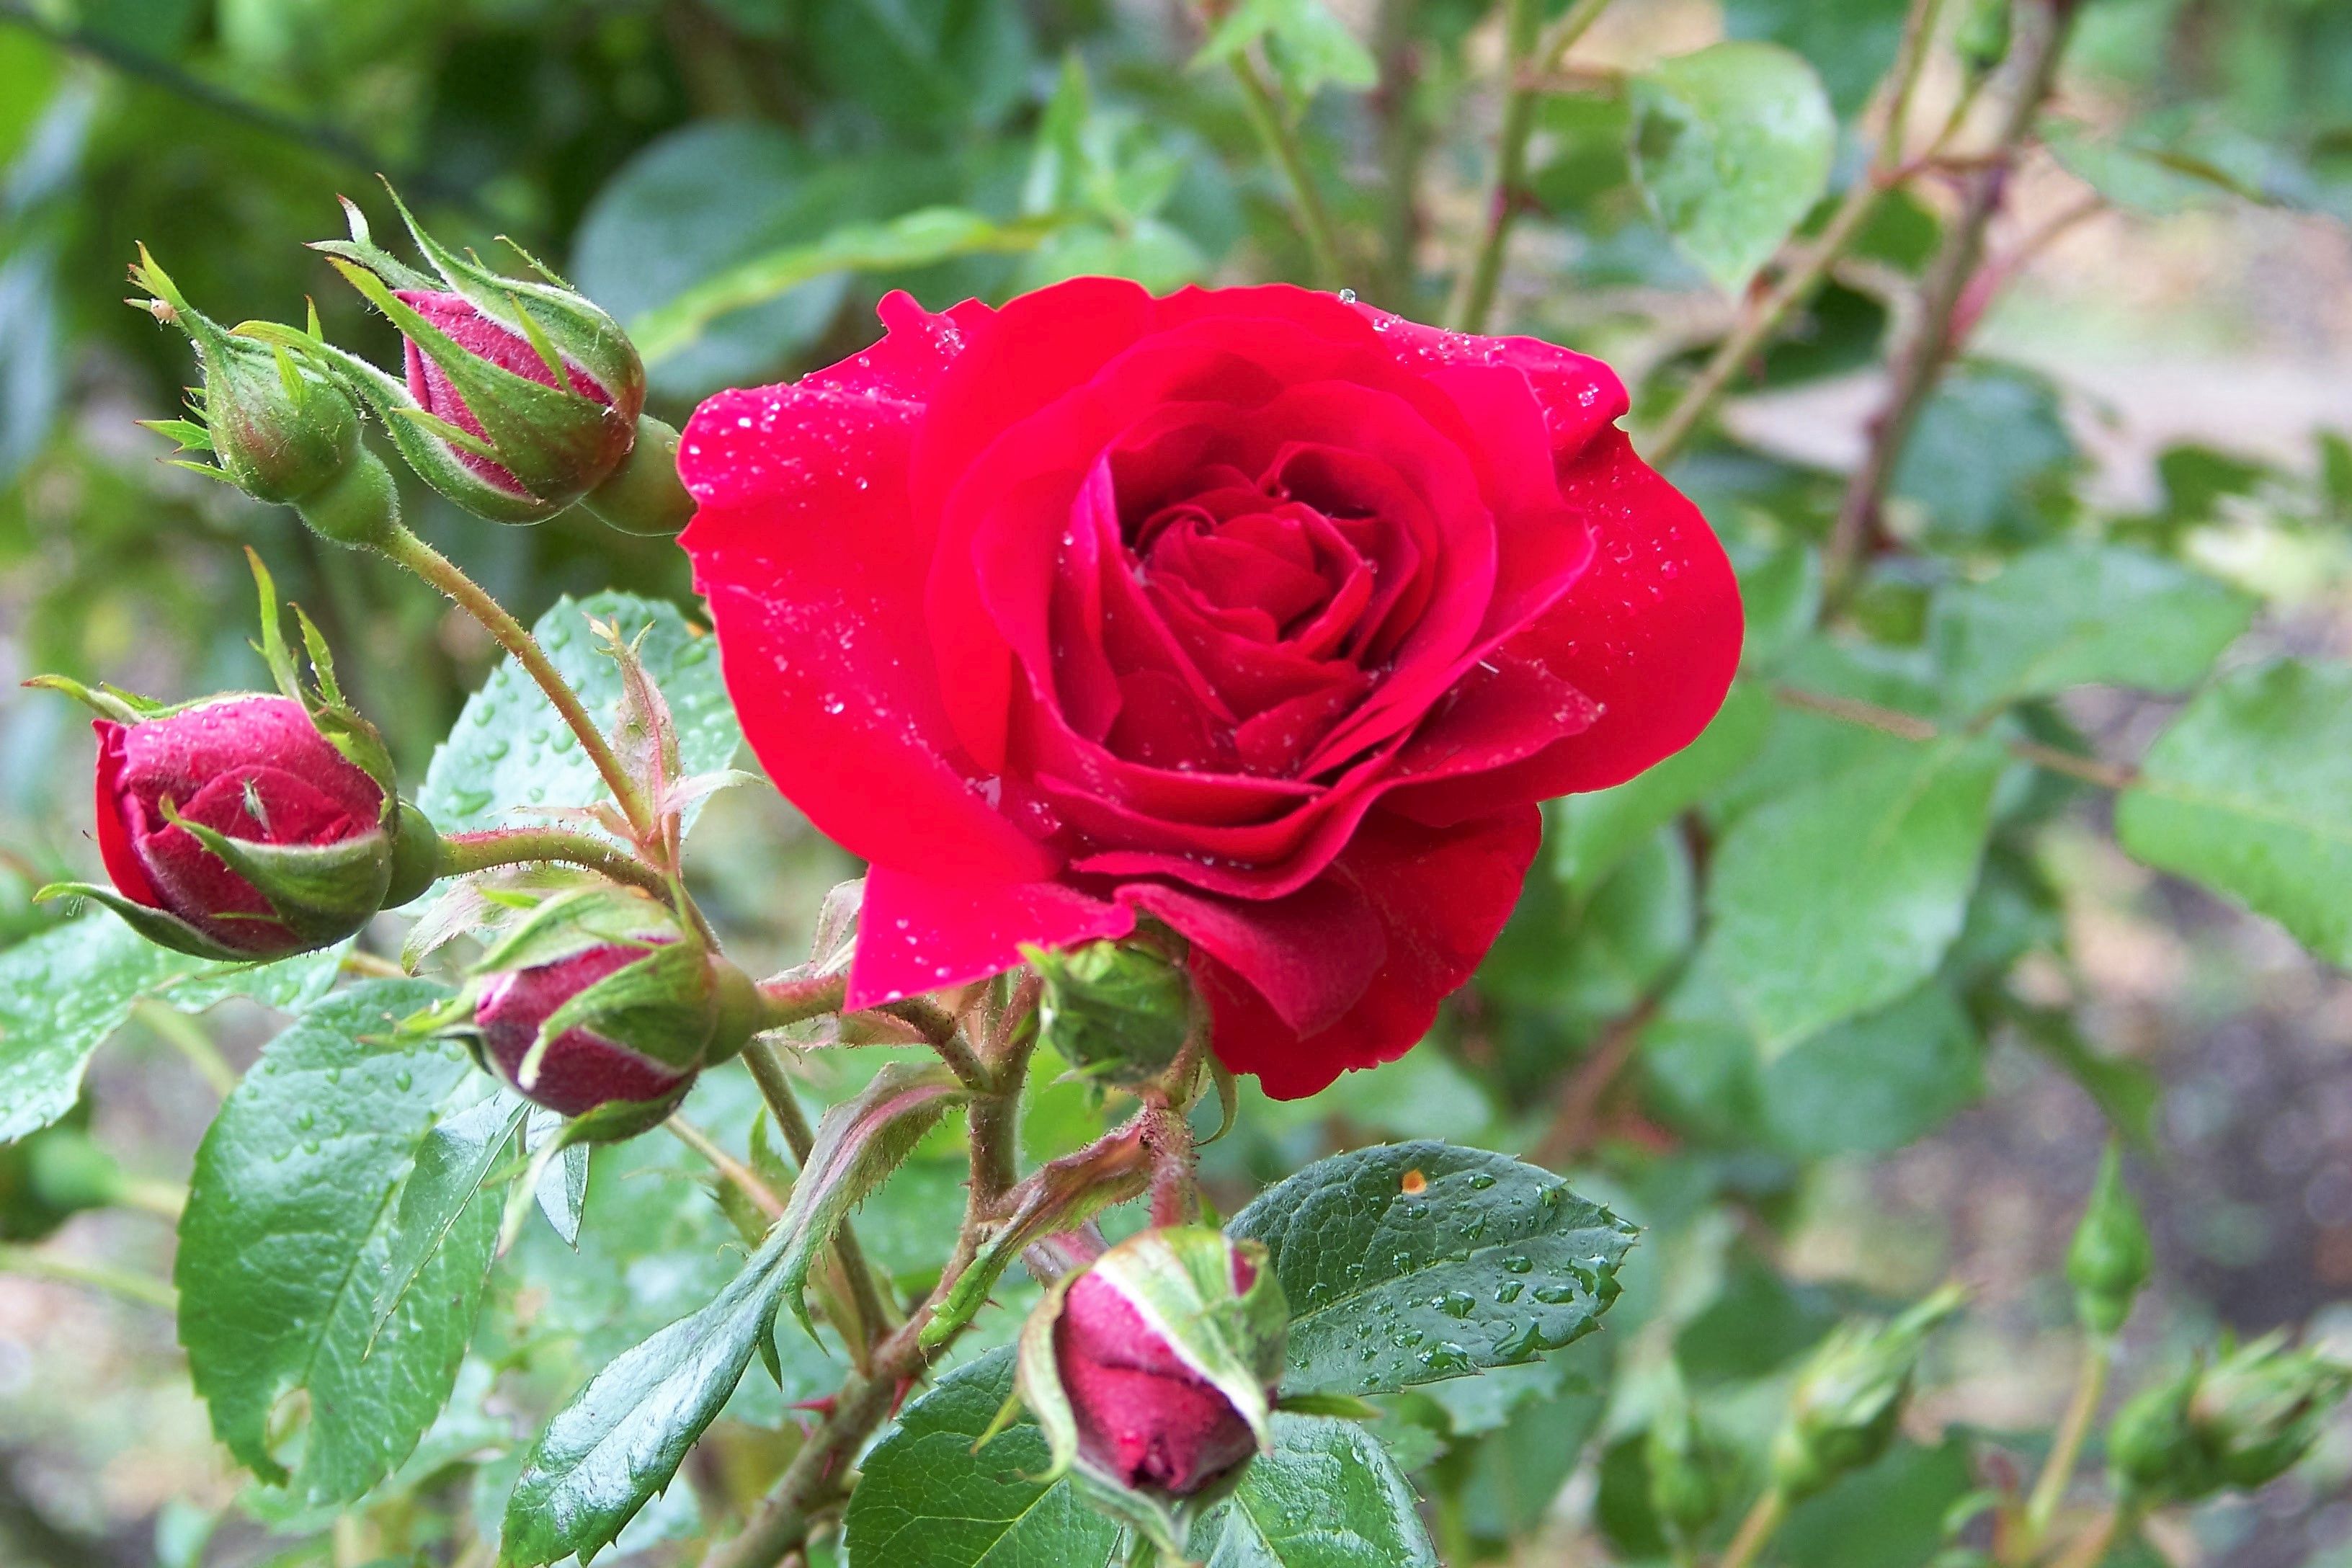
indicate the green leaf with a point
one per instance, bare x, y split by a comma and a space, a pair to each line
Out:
2250, 792
916, 239
509, 752
1328, 1495
289, 1229
1412, 1262
1732, 147
1842, 894
1852, 41
2081, 615
1590, 834
1305, 43
1990, 457
64, 991
1888, 1515
452, 1165
925, 1500
622, 1437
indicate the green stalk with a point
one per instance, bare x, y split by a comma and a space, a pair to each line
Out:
1756, 1529
1282, 142
2050, 1487
461, 853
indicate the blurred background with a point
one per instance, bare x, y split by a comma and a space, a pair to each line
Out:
2172, 358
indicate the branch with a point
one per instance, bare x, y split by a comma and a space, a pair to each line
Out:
1528, 56
2039, 40
1282, 141
142, 1289
465, 853
1911, 727
1797, 284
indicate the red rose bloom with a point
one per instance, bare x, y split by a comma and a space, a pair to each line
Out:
1266, 615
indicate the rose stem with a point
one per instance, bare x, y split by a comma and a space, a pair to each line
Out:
404, 547
1528, 56
142, 1289
776, 1088
2058, 1469
462, 853
1756, 1529
192, 1040
736, 1173
786, 1001
1911, 727
2042, 29
944, 1036
815, 1479
1282, 142
1798, 283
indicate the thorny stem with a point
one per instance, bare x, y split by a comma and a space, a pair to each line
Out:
142, 1289
2058, 1469
814, 1481
463, 853
1281, 140
786, 1000
2090, 1549
404, 547
1529, 57
1175, 1198
776, 1089
1756, 1529
1797, 284
2040, 39
1911, 727
944, 1035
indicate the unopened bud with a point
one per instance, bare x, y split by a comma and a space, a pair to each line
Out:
249, 826
1690, 1471
1848, 1400
518, 396
1152, 1370
278, 428
1118, 1011
599, 1004
2110, 1257
2153, 1448
2261, 1406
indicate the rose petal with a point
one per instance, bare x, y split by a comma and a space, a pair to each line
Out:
915, 934
1580, 396
1442, 897
1309, 955
1650, 634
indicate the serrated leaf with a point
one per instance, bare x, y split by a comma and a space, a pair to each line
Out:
1399, 1263
1732, 147
452, 1165
563, 1189
509, 753
289, 1229
621, 1439
63, 991
2250, 792
1844, 894
925, 1500
1328, 1495
2079, 614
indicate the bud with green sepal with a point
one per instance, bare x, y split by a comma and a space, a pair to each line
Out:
2241, 1422
1848, 1398
598, 1002
1151, 1371
1691, 1472
2153, 1447
1119, 1011
278, 428
519, 397
2110, 1257
250, 825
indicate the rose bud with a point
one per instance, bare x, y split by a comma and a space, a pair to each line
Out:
1119, 1011
1847, 1400
519, 397
2109, 1259
249, 826
1152, 1369
277, 430
2261, 1408
1691, 1472
599, 1004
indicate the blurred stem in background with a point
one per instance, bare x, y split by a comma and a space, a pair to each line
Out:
1281, 140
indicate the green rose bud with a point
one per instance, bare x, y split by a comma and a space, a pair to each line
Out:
1118, 1011
1843, 1411
278, 429
2262, 1406
2110, 1257
1690, 1471
2154, 1451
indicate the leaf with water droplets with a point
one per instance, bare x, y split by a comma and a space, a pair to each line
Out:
509, 750
286, 1240
1328, 1496
1398, 1263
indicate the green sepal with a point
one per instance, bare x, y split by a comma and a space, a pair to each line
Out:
320, 892
618, 1120
1178, 1280
1037, 1384
1848, 1400
1119, 1011
163, 930
660, 1008
106, 702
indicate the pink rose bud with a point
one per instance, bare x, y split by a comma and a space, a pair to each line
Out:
179, 792
1152, 1372
581, 1069
519, 397
1144, 1415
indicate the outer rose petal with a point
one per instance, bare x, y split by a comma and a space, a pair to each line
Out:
1650, 634
917, 935
1309, 955
1443, 895
813, 567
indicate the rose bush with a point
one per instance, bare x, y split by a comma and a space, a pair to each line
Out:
1261, 613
